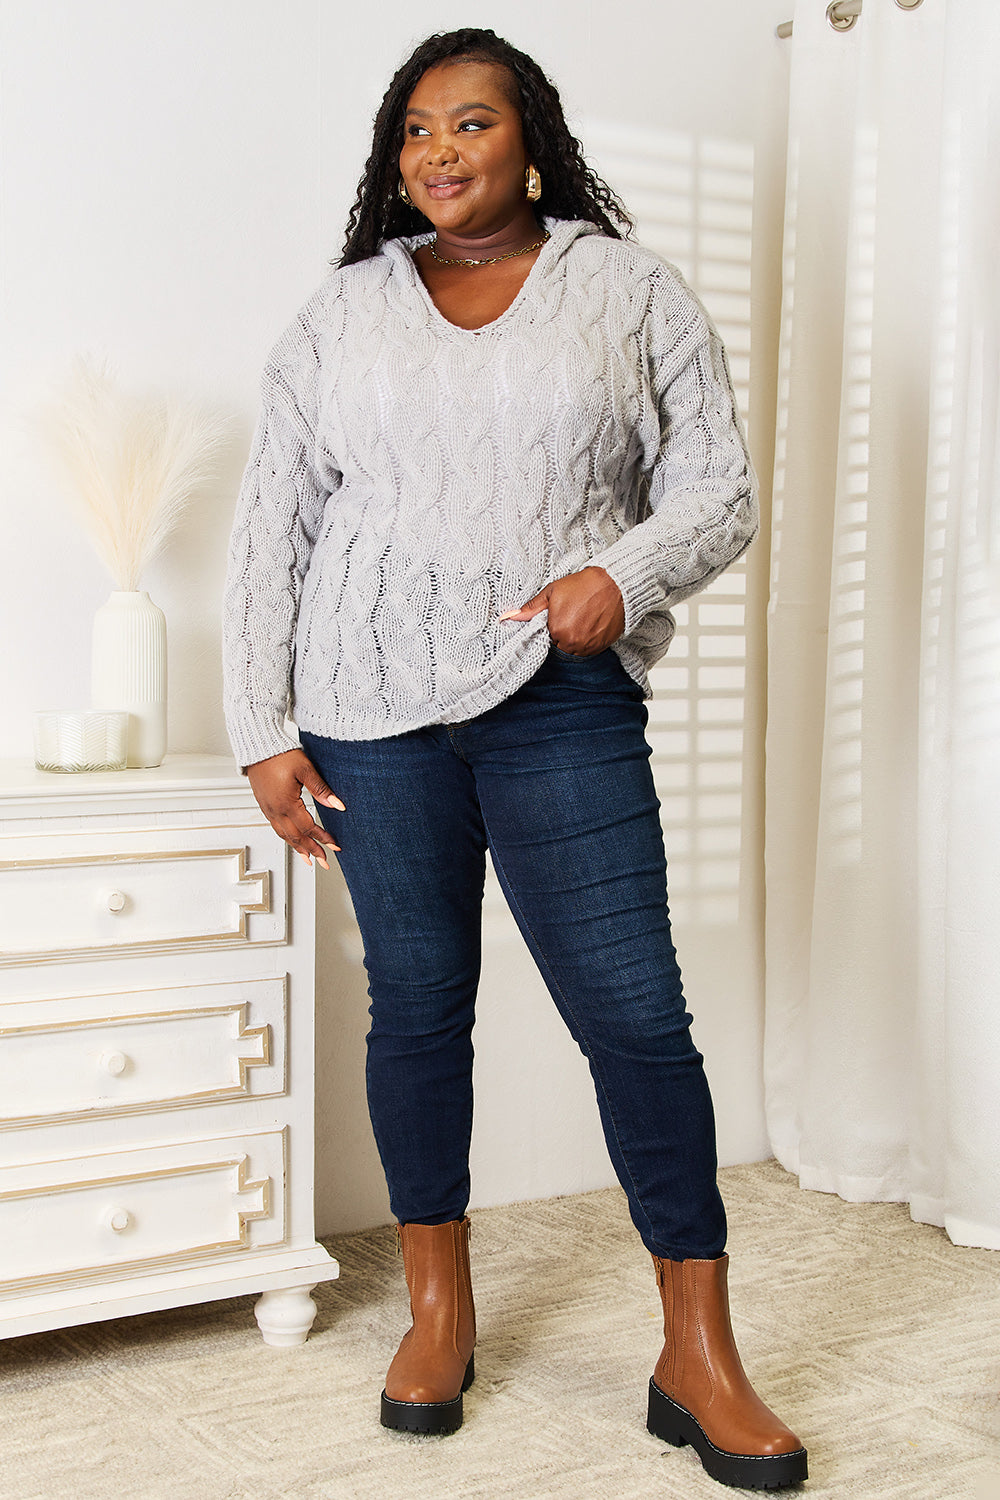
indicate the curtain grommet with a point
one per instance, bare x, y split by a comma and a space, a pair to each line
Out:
838, 21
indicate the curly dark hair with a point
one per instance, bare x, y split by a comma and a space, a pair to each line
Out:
570, 189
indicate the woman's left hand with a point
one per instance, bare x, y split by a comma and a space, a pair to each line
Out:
586, 611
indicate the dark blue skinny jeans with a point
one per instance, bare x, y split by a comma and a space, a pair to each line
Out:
556, 783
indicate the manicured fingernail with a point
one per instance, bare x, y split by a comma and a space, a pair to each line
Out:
333, 801
321, 861
305, 857
510, 614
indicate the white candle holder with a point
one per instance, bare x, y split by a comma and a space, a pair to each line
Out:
94, 740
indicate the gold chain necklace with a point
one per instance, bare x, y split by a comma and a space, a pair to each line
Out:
491, 260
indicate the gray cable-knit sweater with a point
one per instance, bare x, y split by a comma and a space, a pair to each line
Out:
410, 481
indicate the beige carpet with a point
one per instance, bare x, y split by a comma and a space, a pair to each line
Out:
874, 1337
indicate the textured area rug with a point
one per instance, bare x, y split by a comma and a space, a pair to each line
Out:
874, 1337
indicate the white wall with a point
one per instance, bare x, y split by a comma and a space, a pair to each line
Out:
173, 179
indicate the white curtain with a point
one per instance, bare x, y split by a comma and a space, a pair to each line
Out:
883, 744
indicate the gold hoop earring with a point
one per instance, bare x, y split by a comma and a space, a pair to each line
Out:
404, 194
532, 184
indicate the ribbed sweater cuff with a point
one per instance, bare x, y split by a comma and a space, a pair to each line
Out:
630, 568
258, 738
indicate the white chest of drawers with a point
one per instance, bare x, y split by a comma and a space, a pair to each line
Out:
156, 1050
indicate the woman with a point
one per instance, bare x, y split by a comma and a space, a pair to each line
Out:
496, 445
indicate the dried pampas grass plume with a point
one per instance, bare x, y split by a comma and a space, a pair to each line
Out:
131, 463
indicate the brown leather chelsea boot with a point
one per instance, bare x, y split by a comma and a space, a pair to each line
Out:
699, 1393
434, 1363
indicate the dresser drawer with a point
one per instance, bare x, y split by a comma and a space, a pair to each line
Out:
156, 889
89, 1055
105, 1214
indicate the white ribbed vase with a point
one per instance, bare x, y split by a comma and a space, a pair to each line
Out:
129, 671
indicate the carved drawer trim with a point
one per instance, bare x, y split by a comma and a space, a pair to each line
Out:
118, 1212
156, 891
87, 1056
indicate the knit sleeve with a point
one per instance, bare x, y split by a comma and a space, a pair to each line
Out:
278, 517
701, 507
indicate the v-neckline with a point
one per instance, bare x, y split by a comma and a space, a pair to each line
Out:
408, 246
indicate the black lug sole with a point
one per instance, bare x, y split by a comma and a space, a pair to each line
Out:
770, 1471
432, 1418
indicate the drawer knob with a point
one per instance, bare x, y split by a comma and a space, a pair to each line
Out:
116, 902
114, 1063
119, 1219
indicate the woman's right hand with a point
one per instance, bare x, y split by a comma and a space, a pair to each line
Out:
278, 783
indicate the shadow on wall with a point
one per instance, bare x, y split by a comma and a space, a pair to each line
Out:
184, 579
692, 200
358, 1198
